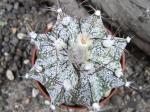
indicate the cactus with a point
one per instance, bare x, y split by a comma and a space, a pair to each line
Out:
78, 62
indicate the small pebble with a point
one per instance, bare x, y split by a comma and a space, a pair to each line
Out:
130, 109
47, 102
13, 30
116, 100
147, 71
16, 105
35, 92
127, 97
27, 100
133, 92
9, 7
26, 61
1, 70
21, 36
10, 75
140, 87
6, 39
97, 13
14, 41
16, 5
6, 54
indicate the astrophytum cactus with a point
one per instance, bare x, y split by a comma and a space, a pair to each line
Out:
78, 62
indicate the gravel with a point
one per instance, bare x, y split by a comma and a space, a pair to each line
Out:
6, 54
26, 61
1, 70
21, 36
19, 95
9, 7
10, 75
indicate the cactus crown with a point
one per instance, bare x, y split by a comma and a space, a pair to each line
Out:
78, 62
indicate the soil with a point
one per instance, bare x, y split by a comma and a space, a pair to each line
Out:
16, 94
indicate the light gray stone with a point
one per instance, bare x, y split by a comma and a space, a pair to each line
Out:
10, 75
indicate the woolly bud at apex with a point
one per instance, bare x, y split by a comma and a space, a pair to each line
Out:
84, 40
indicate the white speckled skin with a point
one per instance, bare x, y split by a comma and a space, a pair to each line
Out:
64, 64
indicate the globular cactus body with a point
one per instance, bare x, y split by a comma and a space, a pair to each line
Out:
78, 62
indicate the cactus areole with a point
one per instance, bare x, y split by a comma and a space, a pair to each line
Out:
78, 62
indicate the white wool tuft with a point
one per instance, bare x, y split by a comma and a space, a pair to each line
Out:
128, 84
96, 106
26, 75
128, 39
52, 107
67, 85
59, 10
97, 12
